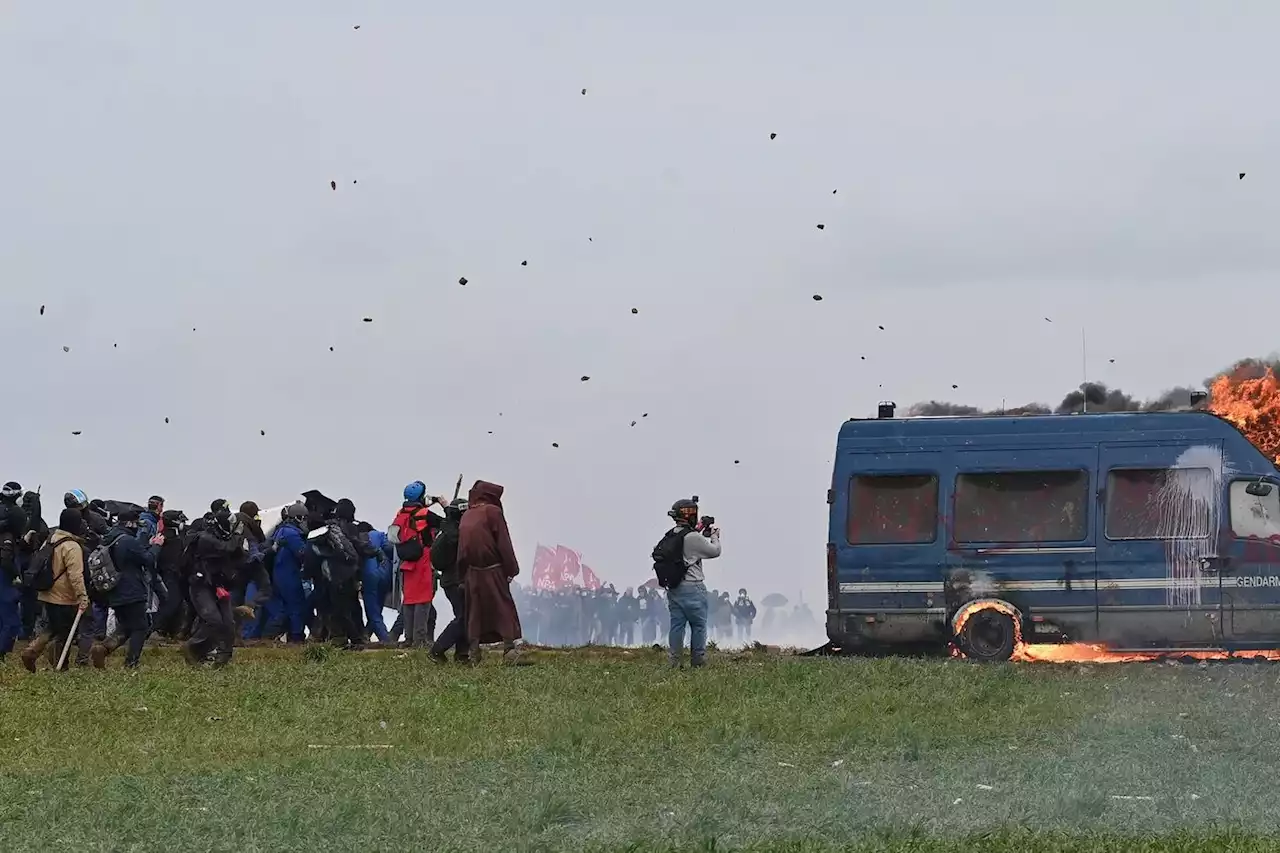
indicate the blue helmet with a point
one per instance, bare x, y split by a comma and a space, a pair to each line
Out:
415, 491
75, 499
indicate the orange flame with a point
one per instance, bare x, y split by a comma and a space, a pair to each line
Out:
1252, 404
1024, 652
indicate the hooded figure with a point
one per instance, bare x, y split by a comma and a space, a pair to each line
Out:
487, 563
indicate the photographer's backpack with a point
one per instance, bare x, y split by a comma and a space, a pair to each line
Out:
668, 558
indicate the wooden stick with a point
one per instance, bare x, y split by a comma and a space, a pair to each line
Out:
62, 659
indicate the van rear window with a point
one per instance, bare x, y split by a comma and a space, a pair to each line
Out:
1160, 503
1022, 506
893, 509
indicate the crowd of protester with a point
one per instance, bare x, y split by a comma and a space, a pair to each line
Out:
114, 574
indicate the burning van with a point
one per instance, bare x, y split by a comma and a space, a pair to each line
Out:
1142, 530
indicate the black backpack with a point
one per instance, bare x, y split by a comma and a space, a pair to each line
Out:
444, 549
38, 573
668, 558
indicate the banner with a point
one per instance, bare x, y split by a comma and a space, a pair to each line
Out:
561, 568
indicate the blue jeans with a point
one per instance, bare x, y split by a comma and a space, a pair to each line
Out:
687, 605
375, 585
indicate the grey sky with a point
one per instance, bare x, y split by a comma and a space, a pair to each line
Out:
169, 167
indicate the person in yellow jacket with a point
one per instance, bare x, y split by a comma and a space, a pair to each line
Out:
67, 596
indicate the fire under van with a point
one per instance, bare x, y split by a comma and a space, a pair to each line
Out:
1152, 530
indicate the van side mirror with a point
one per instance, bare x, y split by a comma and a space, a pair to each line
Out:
1258, 489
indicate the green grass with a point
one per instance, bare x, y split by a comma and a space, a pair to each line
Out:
612, 751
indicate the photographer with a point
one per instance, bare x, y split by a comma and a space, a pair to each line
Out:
678, 563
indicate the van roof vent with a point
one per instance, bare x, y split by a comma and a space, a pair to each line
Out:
885, 410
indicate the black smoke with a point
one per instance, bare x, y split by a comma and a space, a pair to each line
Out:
1096, 397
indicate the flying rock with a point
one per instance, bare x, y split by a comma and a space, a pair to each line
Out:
75, 432
262, 432
635, 310
555, 444
881, 328
821, 226
41, 310
524, 263
584, 91
333, 185
1242, 176
368, 319
817, 297
773, 136
586, 378
463, 281
66, 349
166, 420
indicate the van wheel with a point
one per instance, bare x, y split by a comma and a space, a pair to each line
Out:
988, 635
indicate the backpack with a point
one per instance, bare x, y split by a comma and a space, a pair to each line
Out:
444, 550
337, 540
100, 569
38, 574
412, 549
668, 558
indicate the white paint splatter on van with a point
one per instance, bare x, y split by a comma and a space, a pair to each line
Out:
1188, 512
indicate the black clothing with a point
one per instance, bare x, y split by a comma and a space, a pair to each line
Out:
454, 635
215, 626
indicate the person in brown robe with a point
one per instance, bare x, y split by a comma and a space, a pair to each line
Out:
487, 564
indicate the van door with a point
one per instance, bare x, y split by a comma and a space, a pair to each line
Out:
1022, 530
1157, 549
1250, 568
889, 554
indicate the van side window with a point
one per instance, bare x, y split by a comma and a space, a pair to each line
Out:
1160, 503
1254, 516
1022, 506
893, 509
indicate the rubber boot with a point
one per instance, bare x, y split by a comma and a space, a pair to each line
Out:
32, 652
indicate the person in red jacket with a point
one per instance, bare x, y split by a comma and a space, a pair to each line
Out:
411, 532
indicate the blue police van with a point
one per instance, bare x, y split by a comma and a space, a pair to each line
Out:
1144, 530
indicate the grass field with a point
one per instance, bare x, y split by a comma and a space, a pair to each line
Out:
612, 751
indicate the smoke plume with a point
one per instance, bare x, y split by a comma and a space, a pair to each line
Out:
1094, 397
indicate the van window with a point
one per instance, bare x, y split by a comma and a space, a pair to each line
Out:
1160, 503
1254, 515
1022, 506
893, 509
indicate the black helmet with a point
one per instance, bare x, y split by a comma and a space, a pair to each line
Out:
11, 492
685, 511
222, 522
174, 517
294, 512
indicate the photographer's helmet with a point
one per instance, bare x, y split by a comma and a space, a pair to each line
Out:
415, 492
75, 499
11, 492
685, 511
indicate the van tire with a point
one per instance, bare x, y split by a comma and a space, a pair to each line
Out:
988, 635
